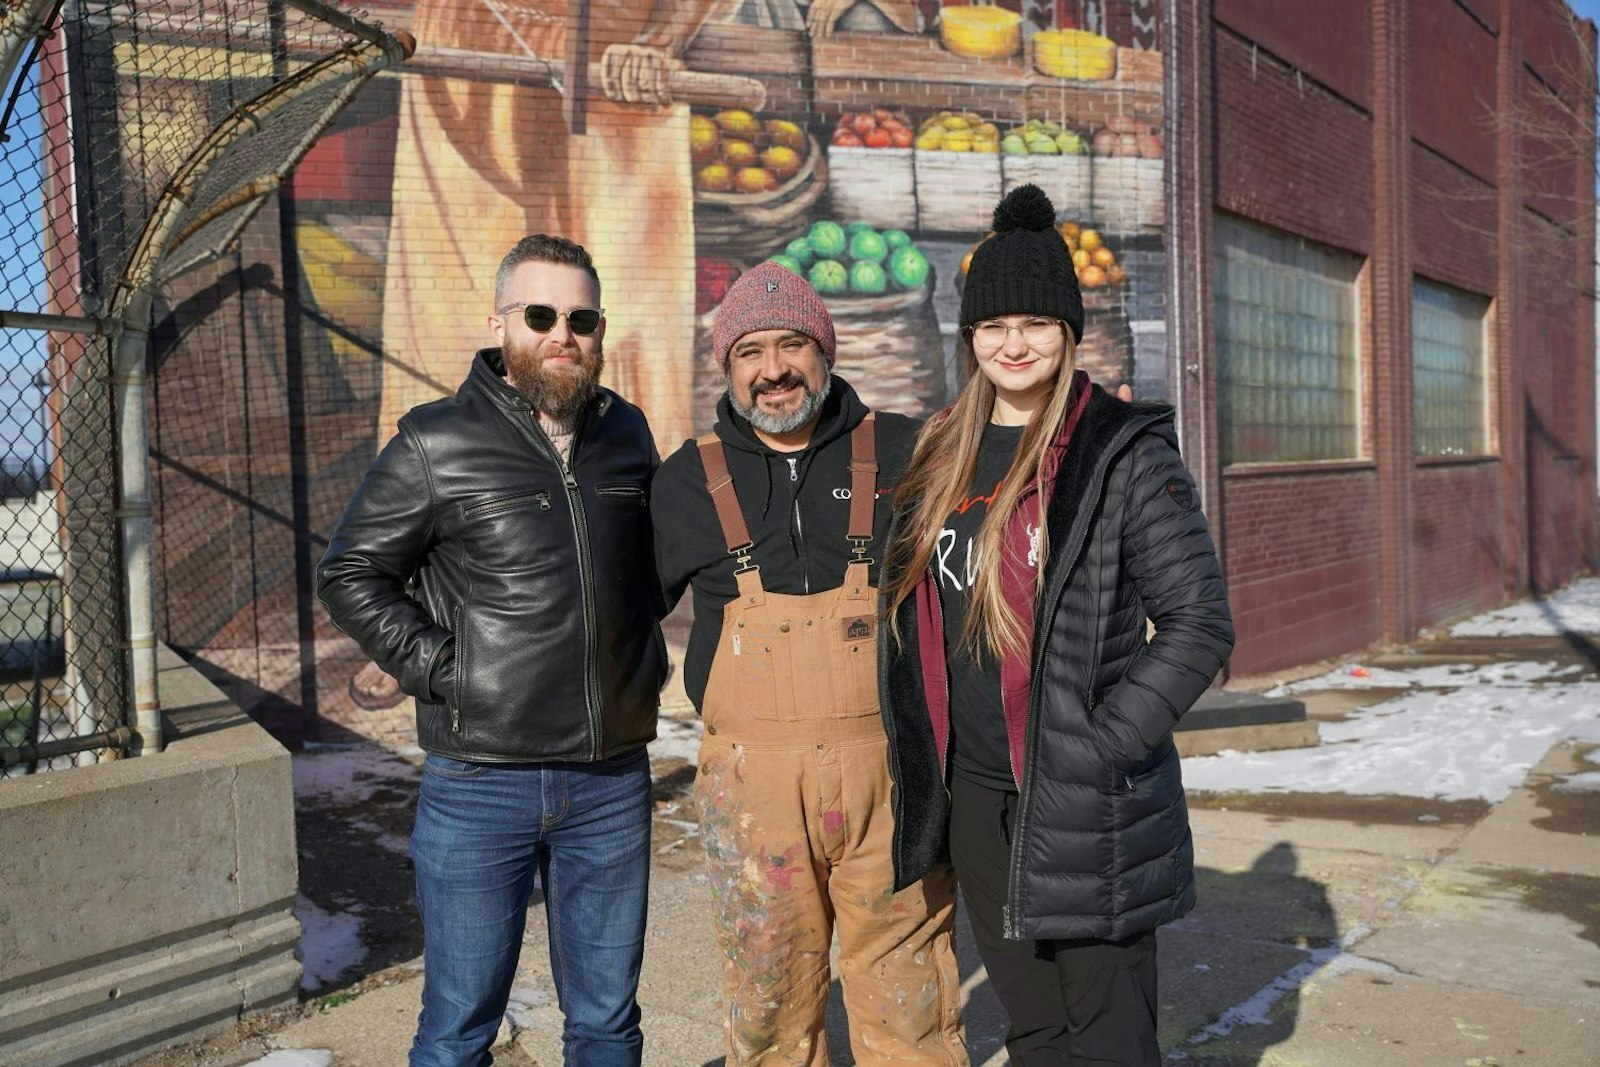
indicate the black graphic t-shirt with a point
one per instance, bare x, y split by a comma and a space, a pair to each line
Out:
979, 752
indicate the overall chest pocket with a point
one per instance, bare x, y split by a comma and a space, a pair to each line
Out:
853, 645
759, 652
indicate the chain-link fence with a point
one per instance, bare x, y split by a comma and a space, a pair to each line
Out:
139, 140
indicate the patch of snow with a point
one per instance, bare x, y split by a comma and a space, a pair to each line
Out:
1442, 676
677, 739
330, 944
349, 772
522, 1007
1588, 734
295, 1057
1477, 742
1587, 782
1573, 610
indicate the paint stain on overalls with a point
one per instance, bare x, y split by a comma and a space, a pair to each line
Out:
793, 795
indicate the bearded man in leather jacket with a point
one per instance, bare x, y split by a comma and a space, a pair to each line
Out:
496, 561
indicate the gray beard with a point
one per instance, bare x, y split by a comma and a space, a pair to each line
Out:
780, 424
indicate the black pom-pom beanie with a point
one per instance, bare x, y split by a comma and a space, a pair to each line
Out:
1025, 268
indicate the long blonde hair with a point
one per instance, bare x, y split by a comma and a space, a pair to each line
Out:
940, 474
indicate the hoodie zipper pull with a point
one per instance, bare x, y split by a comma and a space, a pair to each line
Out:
794, 469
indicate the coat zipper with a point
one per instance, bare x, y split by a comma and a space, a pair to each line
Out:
799, 527
944, 679
580, 530
461, 651
1019, 833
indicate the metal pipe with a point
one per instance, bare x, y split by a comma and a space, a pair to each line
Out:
138, 536
29, 320
339, 20
121, 737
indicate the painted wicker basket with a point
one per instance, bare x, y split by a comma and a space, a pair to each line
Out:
752, 226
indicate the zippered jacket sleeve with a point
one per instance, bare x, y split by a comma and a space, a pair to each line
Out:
378, 545
1168, 553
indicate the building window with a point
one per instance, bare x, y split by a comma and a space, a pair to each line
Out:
1448, 327
1288, 378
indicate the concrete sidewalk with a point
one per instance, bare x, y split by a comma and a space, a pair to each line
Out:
1332, 930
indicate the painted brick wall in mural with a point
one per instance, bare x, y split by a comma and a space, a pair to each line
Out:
862, 142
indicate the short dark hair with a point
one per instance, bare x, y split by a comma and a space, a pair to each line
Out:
541, 248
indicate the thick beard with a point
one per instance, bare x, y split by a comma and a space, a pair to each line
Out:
558, 394
781, 424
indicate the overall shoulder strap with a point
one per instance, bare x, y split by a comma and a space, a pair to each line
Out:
719, 483
863, 482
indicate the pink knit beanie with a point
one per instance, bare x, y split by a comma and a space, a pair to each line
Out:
769, 296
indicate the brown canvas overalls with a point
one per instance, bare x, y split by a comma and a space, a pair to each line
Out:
793, 795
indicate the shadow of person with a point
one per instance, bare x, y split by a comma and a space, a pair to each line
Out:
1232, 971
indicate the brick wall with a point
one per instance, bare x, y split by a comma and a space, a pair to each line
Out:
1452, 94
1301, 556
1290, 152
1324, 38
1454, 217
1458, 540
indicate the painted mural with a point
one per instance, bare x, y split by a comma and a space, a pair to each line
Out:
862, 143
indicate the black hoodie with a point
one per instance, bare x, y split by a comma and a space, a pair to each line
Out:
796, 504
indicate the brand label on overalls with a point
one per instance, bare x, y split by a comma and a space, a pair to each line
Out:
736, 644
858, 629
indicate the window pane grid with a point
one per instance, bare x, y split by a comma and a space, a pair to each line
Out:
1286, 347
1447, 357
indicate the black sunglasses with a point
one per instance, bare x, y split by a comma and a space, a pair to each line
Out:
542, 318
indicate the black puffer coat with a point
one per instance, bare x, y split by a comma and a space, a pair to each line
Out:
1101, 847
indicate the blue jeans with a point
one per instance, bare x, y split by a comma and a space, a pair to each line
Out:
483, 830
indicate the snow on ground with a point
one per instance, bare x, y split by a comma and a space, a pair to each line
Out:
1443, 676
677, 738
348, 772
1573, 610
330, 944
295, 1057
1476, 742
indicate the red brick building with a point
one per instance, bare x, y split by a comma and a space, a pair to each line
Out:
1382, 238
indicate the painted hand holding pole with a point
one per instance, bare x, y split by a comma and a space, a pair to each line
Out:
684, 86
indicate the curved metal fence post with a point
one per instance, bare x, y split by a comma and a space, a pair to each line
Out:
138, 537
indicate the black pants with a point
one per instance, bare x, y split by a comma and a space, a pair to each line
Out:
1082, 1003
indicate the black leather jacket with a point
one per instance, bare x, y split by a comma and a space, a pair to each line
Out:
468, 540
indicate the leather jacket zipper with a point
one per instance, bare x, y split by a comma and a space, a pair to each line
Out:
580, 531
631, 492
1010, 912
493, 507
455, 712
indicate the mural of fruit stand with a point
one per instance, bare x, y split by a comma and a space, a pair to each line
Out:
878, 285
998, 98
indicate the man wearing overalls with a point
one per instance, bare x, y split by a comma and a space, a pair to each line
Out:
771, 521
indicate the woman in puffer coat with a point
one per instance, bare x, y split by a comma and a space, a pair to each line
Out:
1038, 526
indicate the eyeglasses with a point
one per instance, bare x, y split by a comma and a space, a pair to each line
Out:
542, 318
993, 334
